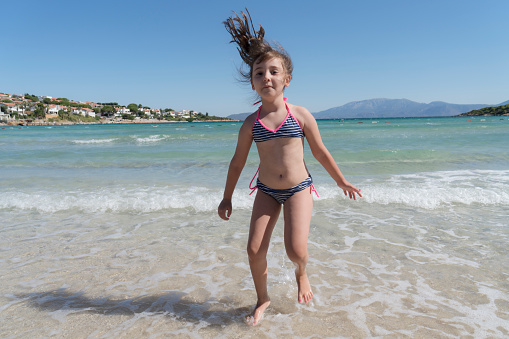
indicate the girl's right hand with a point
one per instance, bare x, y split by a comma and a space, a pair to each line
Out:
225, 209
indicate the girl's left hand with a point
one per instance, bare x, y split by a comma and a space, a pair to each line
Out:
350, 190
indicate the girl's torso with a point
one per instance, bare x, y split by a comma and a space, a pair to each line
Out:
280, 143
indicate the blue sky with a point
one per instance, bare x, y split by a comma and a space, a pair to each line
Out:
175, 54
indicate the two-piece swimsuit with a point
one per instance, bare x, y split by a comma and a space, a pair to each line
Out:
289, 128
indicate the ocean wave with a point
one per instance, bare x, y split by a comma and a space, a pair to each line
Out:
151, 138
433, 198
117, 199
431, 190
128, 140
423, 190
93, 141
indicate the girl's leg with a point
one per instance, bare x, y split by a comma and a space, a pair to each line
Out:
263, 219
297, 213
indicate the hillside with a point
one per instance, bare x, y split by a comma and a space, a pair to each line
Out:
489, 111
239, 116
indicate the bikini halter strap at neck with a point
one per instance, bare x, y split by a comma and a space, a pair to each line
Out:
284, 99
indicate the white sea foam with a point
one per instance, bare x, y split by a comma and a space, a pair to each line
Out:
113, 200
151, 138
423, 190
94, 141
434, 189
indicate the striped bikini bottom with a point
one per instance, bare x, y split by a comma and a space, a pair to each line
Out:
282, 195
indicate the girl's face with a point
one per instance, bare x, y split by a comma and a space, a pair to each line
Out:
269, 78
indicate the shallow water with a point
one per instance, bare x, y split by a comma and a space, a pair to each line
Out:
112, 231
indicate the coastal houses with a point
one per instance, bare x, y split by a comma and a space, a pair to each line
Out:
17, 106
4, 116
53, 109
11, 107
123, 110
83, 111
88, 112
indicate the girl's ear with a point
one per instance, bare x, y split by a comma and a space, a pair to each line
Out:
287, 81
252, 85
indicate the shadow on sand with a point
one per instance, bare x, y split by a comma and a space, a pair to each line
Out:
172, 304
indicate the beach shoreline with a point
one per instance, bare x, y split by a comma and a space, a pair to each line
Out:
15, 123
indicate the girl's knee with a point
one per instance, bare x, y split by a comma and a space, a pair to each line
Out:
297, 255
255, 253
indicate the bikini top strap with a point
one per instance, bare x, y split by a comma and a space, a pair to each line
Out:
294, 118
257, 116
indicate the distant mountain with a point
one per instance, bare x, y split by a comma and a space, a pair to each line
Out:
389, 108
239, 116
394, 108
504, 103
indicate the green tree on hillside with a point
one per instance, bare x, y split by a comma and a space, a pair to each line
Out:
493, 111
108, 110
40, 111
133, 108
62, 102
31, 97
127, 116
63, 114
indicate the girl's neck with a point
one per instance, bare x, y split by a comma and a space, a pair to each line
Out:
274, 105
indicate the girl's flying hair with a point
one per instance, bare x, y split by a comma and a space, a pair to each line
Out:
252, 46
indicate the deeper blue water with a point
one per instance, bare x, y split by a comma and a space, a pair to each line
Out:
112, 231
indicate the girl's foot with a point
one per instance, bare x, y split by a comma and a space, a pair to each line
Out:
257, 315
304, 288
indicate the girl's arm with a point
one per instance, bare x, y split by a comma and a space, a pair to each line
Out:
235, 169
321, 153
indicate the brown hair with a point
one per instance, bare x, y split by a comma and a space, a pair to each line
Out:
252, 46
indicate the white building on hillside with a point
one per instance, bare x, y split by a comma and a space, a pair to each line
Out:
123, 110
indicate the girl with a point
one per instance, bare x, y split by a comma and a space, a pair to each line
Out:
278, 129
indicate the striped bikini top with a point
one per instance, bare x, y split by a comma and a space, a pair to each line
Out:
289, 128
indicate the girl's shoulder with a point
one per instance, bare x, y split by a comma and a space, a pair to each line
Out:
248, 123
299, 110
250, 120
301, 114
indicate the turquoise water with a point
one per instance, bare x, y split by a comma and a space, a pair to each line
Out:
111, 230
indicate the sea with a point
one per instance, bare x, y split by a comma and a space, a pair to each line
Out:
111, 231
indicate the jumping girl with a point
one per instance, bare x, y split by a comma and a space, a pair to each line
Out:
278, 129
